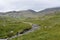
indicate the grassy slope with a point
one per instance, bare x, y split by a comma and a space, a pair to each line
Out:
8, 24
49, 30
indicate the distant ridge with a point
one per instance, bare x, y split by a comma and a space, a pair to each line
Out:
30, 12
50, 10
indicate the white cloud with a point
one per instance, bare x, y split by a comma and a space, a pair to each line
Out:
6, 5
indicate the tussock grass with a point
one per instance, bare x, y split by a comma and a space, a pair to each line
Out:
49, 28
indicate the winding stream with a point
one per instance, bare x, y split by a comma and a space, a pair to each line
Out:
34, 27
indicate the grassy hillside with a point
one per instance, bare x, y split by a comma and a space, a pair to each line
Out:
8, 25
49, 28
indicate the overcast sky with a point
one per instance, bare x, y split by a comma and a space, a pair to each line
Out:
7, 5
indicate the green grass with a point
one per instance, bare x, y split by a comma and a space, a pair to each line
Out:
49, 28
8, 24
